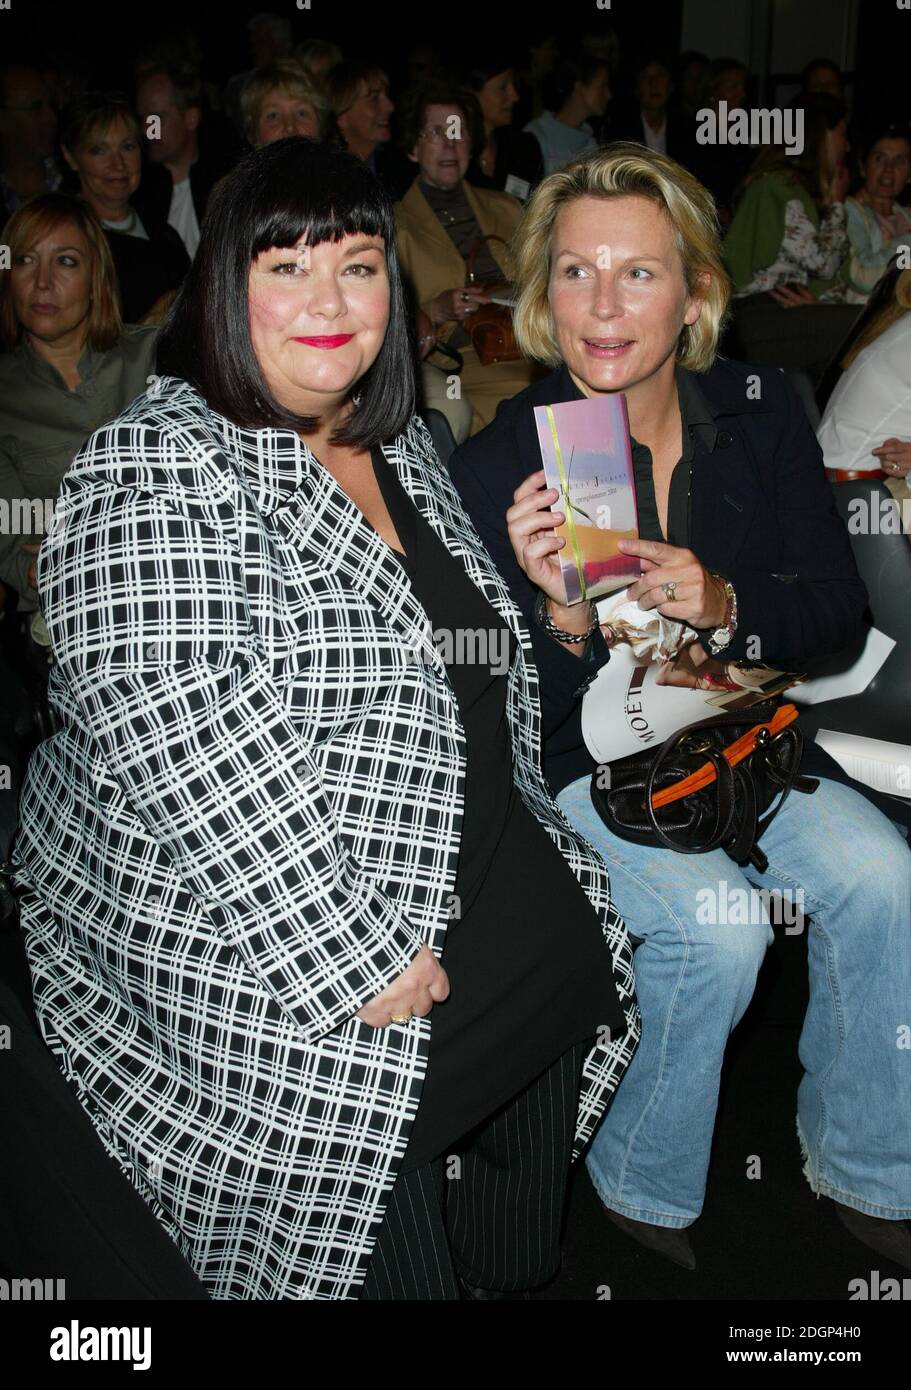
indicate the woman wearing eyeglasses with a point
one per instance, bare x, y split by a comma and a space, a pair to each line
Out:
450, 233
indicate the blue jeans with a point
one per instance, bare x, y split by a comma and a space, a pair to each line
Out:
705, 930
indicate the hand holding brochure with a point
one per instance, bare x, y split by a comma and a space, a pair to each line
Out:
586, 453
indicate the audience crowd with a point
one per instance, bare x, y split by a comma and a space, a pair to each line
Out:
105, 196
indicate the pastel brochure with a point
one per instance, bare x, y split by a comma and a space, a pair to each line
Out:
586, 453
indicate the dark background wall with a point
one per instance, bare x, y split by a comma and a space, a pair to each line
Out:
871, 39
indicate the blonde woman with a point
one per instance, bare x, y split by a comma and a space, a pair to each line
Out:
621, 288
282, 99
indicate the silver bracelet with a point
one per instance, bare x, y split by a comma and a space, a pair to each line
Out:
545, 622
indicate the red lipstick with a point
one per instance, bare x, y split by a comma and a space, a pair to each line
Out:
333, 341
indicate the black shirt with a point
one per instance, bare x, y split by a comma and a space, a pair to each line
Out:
566, 757
529, 968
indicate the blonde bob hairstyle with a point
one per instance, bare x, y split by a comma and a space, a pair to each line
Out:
286, 76
623, 170
41, 217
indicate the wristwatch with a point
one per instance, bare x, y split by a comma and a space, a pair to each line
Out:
721, 637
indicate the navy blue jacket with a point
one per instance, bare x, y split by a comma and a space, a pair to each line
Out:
762, 513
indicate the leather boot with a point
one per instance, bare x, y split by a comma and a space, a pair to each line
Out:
668, 1241
891, 1239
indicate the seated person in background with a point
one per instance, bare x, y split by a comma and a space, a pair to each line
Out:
504, 159
359, 96
99, 135
270, 41
647, 324
722, 168
281, 100
70, 365
877, 224
318, 57
182, 169
866, 426
358, 93
691, 77
786, 245
453, 239
579, 88
28, 125
822, 75
653, 120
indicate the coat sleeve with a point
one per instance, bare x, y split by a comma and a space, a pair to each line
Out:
486, 486
155, 647
756, 231
812, 604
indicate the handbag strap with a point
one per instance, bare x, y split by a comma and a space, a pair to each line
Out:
734, 753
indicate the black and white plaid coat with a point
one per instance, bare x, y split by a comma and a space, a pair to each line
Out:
246, 827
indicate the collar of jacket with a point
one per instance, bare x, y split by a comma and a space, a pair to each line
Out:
705, 397
416, 207
318, 515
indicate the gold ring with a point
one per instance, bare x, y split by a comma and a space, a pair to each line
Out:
401, 1018
670, 590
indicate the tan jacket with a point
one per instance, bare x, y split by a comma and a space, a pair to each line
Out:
429, 257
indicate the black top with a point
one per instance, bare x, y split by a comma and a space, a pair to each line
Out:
760, 511
146, 269
529, 969
486, 484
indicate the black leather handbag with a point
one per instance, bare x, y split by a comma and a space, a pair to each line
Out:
711, 785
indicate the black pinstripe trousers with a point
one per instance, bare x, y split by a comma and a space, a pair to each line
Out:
491, 1210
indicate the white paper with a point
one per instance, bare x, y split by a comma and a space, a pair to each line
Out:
852, 681
886, 767
624, 711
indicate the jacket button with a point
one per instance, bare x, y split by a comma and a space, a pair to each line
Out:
153, 651
724, 439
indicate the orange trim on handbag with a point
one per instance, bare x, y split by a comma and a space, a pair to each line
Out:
734, 753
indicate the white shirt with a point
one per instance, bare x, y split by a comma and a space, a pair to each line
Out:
132, 225
182, 216
871, 403
655, 139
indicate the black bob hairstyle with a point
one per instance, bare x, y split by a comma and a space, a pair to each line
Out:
278, 195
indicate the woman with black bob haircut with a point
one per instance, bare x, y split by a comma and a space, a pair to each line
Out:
294, 829
257, 210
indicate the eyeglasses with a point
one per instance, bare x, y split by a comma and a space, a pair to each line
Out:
436, 134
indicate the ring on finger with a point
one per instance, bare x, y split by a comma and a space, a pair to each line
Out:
670, 590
